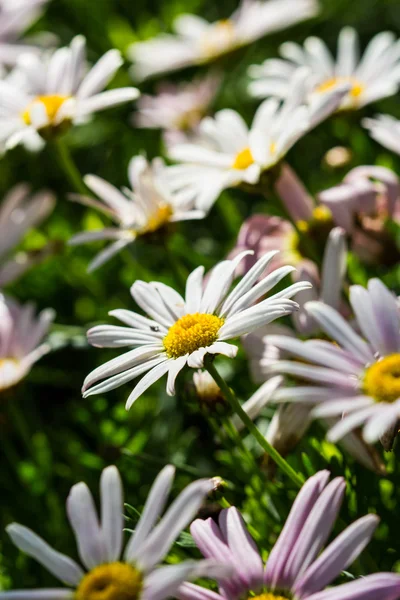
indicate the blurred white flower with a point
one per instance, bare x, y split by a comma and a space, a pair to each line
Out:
375, 76
146, 208
225, 152
109, 572
21, 335
183, 331
15, 17
177, 108
51, 91
196, 41
19, 211
385, 129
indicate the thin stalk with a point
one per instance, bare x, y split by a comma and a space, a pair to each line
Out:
265, 445
69, 167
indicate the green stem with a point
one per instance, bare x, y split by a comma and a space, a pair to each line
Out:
265, 445
69, 167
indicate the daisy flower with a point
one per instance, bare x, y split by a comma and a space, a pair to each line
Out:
55, 90
385, 129
15, 17
109, 571
375, 76
177, 108
296, 568
21, 340
355, 375
182, 331
196, 41
225, 152
19, 211
145, 209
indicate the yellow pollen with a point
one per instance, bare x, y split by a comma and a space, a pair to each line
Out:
52, 105
356, 90
113, 581
190, 333
322, 214
382, 379
269, 596
243, 159
158, 219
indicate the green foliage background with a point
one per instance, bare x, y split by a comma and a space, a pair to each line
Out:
51, 437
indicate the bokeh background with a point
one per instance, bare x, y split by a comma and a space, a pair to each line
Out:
50, 437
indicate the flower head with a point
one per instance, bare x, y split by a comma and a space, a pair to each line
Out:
373, 77
53, 90
19, 212
296, 568
225, 152
146, 208
182, 331
21, 335
197, 41
357, 374
108, 571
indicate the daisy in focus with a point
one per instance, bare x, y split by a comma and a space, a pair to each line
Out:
196, 41
226, 152
183, 331
108, 571
52, 91
385, 129
15, 17
177, 108
356, 376
375, 76
144, 209
21, 340
296, 568
19, 212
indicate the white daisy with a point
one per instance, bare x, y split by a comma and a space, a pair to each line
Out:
226, 153
19, 212
21, 340
196, 41
108, 571
54, 90
182, 331
385, 129
375, 76
146, 208
356, 376
15, 17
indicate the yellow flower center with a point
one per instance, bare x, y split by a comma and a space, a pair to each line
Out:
190, 333
10, 372
218, 39
114, 581
158, 219
268, 596
52, 104
243, 159
382, 379
357, 88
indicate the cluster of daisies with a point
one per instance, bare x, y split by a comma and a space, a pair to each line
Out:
336, 356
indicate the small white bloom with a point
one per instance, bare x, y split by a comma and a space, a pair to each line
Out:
144, 209
21, 334
196, 41
53, 90
108, 571
385, 129
182, 331
15, 17
19, 212
226, 153
375, 76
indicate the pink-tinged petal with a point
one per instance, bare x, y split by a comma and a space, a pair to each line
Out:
281, 552
382, 586
387, 315
316, 530
190, 591
294, 195
164, 582
45, 594
338, 556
